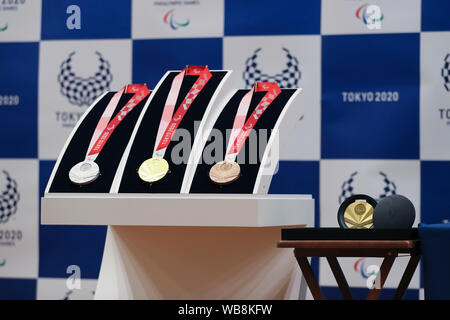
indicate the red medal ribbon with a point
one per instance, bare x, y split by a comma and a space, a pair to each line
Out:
244, 130
140, 91
204, 75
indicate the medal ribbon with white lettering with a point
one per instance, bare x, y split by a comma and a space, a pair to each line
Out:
156, 168
104, 127
240, 130
169, 124
228, 170
87, 170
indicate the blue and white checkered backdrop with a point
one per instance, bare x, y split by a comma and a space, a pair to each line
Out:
376, 92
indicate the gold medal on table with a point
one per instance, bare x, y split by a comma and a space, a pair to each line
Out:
156, 168
225, 172
359, 215
356, 212
153, 169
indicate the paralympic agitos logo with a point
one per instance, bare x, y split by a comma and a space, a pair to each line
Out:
370, 15
360, 267
169, 19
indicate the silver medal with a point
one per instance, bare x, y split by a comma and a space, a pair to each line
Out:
84, 172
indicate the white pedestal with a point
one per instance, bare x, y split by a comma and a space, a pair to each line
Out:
190, 246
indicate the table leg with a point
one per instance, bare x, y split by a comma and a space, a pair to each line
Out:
406, 278
309, 276
381, 277
340, 278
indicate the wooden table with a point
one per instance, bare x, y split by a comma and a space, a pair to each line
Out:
331, 249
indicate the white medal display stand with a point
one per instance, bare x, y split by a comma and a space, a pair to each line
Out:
161, 246
188, 246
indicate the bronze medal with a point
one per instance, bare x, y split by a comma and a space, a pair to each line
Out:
228, 171
225, 172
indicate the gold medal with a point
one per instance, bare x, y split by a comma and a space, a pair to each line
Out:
359, 215
156, 168
224, 172
153, 169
